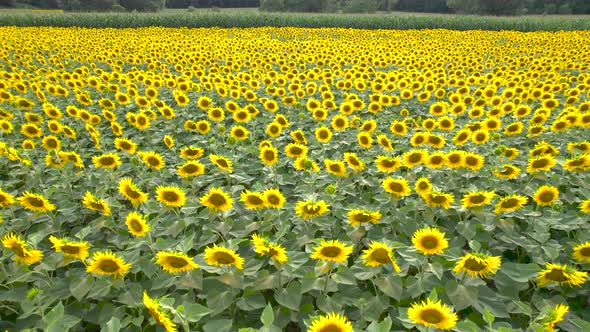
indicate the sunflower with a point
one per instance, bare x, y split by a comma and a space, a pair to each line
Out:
436, 160
477, 198
222, 162
175, 262
511, 153
252, 200
295, 150
107, 160
299, 136
107, 263
152, 159
555, 316
264, 247
419, 138
379, 254
398, 187
190, 168
435, 314
461, 137
168, 141
323, 134
273, 198
35, 202
562, 274
582, 252
51, 143
507, 171
274, 129
335, 167
480, 136
361, 216
239, 133
24, 254
331, 322
540, 163
364, 139
578, 163
203, 126
546, 195
332, 251
353, 161
339, 122
156, 310
510, 203
172, 196
439, 198
473, 161
221, 256
217, 200
31, 130
241, 116
269, 155
585, 206
137, 224
131, 192
429, 241
216, 114
70, 249
399, 128
455, 158
191, 152
387, 164
6, 199
478, 264
125, 144
414, 157
93, 203
423, 186
204, 102
311, 209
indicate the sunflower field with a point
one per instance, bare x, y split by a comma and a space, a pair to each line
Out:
294, 179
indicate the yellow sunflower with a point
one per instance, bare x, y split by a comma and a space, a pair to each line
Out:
323, 134
353, 161
191, 152
172, 196
361, 216
331, 322
273, 198
398, 187
379, 254
311, 209
435, 314
269, 155
478, 264
70, 249
35, 202
477, 198
240, 133
264, 247
252, 200
175, 262
585, 206
387, 164
221, 256
152, 159
510, 203
541, 163
222, 162
137, 224
190, 168
93, 203
23, 253
332, 251
107, 160
131, 192
335, 167
156, 310
6, 199
507, 171
555, 316
455, 158
217, 200
414, 157
364, 139
473, 161
107, 263
582, 252
125, 144
546, 195
561, 274
295, 150
429, 241
305, 164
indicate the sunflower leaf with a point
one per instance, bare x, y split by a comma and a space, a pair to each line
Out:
268, 316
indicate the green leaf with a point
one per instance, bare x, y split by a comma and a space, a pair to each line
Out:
290, 297
194, 311
55, 314
219, 325
80, 287
268, 316
113, 325
390, 286
519, 272
488, 317
384, 326
461, 297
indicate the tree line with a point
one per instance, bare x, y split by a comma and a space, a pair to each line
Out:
482, 7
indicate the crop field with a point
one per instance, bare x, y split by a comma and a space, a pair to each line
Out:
294, 179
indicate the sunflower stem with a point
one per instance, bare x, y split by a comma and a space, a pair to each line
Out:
326, 281
463, 278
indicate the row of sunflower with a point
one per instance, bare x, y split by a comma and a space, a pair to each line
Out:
324, 135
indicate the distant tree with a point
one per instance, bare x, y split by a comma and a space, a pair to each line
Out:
143, 5
500, 7
464, 6
7, 3
101, 5
178, 3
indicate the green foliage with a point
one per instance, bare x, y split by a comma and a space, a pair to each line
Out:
361, 6
7, 3
143, 5
272, 5
464, 6
99, 5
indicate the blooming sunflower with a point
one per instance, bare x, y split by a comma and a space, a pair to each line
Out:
555, 316
429, 241
397, 187
473, 161
107, 160
264, 247
217, 200
156, 310
387, 164
137, 224
273, 198
435, 314
35, 202
455, 158
191, 152
190, 168
379, 254
436, 160
172, 196
477, 198
423, 186
152, 159
93, 203
414, 157
439, 198
507, 171
107, 263
353, 161
582, 252
585, 206
296, 150
125, 144
361, 216
478, 264
311, 209
510, 203
306, 164
546, 195
24, 254
331, 322
562, 274
541, 163
269, 155
239, 133
323, 134
252, 200
332, 251
70, 249
221, 256
131, 192
175, 262
6, 199
222, 162
335, 167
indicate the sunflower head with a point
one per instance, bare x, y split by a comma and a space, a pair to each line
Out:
332, 251
273, 198
310, 209
435, 314
217, 200
175, 262
108, 263
430, 241
361, 216
379, 254
252, 200
137, 224
172, 196
221, 256
478, 264
331, 322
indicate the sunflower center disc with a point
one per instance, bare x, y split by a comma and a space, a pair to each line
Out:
71, 250
474, 265
547, 197
109, 266
176, 262
585, 252
556, 275
330, 328
35, 202
170, 196
431, 316
429, 242
331, 251
381, 256
224, 258
217, 199
478, 199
